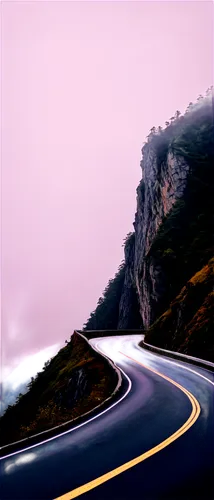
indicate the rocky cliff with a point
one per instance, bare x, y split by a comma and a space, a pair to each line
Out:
160, 187
129, 311
171, 161
174, 223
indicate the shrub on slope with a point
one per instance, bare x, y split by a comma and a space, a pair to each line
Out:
71, 383
188, 325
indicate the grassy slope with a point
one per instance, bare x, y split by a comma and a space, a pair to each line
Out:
188, 325
72, 383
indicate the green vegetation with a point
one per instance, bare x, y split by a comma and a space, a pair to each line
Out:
106, 314
184, 242
73, 382
188, 325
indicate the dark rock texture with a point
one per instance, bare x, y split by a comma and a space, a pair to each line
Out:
161, 186
188, 325
78, 385
129, 311
173, 238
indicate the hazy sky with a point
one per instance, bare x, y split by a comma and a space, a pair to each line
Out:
82, 84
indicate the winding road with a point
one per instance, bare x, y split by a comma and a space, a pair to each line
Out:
155, 442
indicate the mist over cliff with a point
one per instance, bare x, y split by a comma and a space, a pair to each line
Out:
173, 229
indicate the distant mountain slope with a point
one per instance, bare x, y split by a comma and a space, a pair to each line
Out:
8, 395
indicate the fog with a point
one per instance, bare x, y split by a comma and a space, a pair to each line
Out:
82, 84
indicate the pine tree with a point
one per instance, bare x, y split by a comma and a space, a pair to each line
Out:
189, 107
177, 114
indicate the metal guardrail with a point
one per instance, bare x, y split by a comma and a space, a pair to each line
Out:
208, 365
37, 438
111, 363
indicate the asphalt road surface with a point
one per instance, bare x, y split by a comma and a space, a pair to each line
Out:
155, 442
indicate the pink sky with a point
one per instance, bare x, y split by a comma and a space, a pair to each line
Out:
82, 84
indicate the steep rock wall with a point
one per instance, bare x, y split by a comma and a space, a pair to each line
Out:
129, 313
161, 186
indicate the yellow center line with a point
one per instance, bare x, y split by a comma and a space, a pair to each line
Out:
115, 472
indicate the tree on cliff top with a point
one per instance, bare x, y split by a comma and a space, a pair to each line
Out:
105, 316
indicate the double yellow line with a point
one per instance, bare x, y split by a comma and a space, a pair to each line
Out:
115, 472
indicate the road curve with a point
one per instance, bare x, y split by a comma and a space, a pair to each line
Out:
156, 442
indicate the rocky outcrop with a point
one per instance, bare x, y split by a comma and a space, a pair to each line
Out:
161, 186
77, 386
129, 314
173, 238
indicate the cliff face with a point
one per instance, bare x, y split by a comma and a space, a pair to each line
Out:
173, 230
172, 237
129, 310
161, 186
